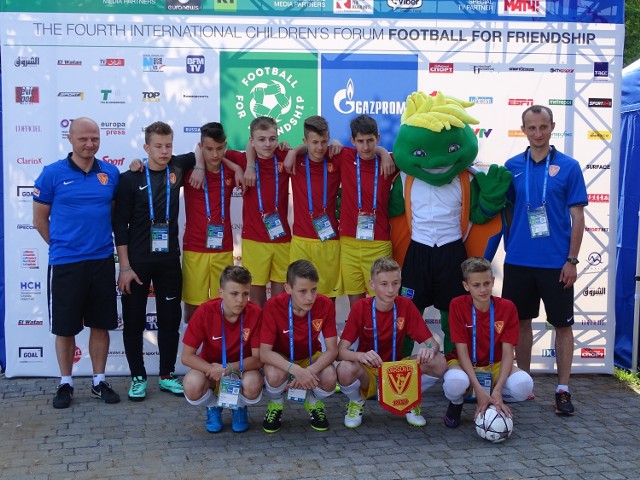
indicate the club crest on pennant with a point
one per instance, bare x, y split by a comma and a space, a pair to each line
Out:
499, 326
103, 178
399, 386
553, 170
317, 324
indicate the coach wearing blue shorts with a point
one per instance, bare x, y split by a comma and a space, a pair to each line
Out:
72, 212
548, 195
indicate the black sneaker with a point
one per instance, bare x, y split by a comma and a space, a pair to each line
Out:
104, 392
64, 395
452, 417
563, 403
272, 422
318, 417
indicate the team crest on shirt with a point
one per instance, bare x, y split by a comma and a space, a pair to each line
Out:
172, 178
553, 170
227, 182
400, 323
317, 324
280, 167
499, 326
103, 178
36, 192
330, 167
245, 334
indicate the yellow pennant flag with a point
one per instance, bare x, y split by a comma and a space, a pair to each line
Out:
399, 386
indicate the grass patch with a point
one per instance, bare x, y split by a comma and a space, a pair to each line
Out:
628, 378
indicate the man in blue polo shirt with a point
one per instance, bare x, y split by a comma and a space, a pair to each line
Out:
72, 212
548, 194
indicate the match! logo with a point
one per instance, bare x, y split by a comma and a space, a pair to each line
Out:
526, 8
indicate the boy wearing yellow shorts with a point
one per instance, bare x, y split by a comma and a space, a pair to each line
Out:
485, 331
221, 346
364, 208
380, 324
208, 239
291, 351
266, 235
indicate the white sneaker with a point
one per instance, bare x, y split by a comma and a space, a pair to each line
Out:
415, 418
353, 418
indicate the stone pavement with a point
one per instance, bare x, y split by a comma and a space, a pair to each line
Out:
164, 437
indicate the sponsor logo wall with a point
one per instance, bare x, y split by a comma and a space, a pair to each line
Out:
188, 62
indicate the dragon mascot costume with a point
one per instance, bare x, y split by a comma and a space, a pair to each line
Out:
434, 150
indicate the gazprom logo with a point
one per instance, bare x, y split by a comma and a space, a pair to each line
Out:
344, 102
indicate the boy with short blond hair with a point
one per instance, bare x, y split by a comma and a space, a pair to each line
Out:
291, 350
377, 321
484, 329
265, 228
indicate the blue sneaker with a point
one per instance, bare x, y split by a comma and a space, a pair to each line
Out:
240, 419
214, 419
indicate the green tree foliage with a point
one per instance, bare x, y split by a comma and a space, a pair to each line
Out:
632, 31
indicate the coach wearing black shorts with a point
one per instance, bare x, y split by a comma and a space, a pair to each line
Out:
72, 212
548, 195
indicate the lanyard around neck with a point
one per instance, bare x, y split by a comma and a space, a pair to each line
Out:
324, 186
275, 168
291, 356
224, 341
150, 195
375, 184
375, 328
474, 358
206, 195
527, 158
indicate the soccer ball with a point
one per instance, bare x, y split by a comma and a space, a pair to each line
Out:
269, 100
493, 426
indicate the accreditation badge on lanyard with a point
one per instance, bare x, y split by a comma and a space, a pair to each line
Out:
159, 232
272, 221
231, 385
483, 374
366, 221
538, 220
297, 394
215, 232
321, 223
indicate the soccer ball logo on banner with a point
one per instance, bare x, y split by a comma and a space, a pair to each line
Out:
270, 100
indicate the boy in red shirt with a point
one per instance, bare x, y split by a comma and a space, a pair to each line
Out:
291, 351
482, 352
228, 330
358, 370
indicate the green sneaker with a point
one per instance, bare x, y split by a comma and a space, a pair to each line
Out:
171, 384
138, 389
317, 416
272, 423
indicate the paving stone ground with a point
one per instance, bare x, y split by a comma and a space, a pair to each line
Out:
164, 438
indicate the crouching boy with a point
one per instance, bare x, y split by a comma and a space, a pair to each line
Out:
228, 329
485, 331
378, 320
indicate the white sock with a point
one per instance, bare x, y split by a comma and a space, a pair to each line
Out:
455, 385
518, 387
274, 394
97, 378
244, 401
427, 382
317, 394
65, 379
352, 391
209, 399
562, 387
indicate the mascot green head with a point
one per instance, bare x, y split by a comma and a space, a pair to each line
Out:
435, 142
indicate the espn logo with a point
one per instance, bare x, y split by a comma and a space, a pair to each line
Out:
521, 102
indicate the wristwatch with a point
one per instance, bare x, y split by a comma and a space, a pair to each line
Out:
573, 260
